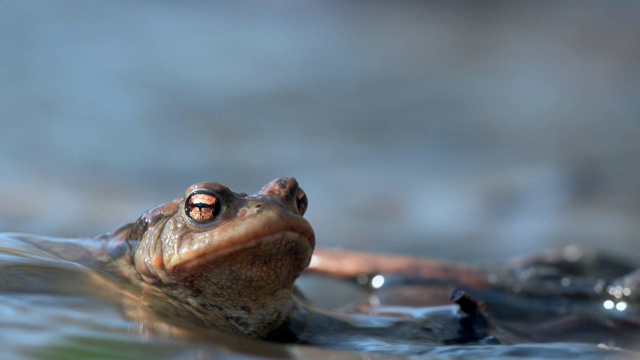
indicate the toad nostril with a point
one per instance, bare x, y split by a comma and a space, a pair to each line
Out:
283, 183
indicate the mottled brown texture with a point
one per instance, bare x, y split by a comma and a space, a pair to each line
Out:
233, 271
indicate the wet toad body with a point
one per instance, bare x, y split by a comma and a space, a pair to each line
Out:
226, 260
214, 258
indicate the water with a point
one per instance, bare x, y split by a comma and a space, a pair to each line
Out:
52, 308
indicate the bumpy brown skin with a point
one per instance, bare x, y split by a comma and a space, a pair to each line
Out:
235, 272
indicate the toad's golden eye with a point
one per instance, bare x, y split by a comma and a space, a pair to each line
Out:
202, 206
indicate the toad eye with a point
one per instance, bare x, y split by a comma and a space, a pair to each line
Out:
202, 206
301, 201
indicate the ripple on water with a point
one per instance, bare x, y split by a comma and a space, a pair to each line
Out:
53, 308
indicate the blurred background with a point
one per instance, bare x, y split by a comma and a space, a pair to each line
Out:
462, 130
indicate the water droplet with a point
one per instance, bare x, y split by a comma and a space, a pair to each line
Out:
621, 306
377, 281
618, 292
362, 279
608, 304
565, 281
